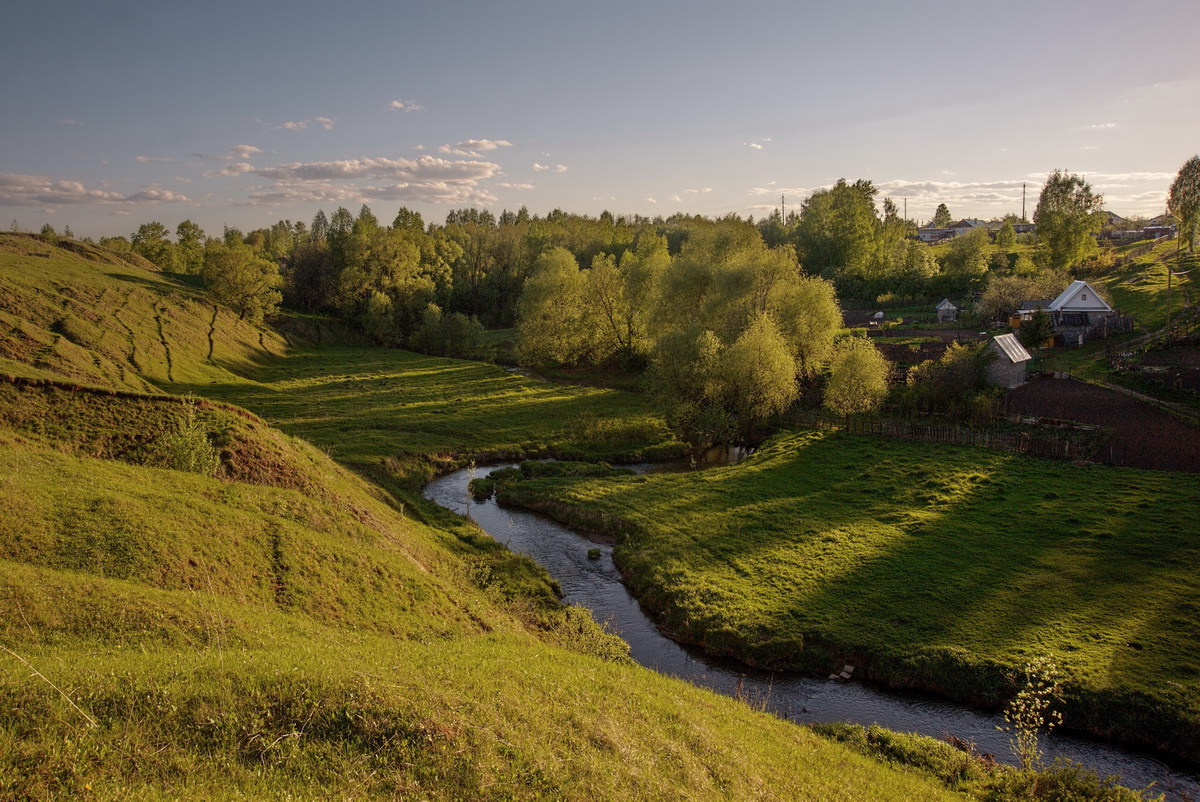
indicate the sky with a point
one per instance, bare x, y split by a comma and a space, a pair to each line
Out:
246, 113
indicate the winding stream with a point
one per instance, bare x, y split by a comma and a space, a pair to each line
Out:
596, 584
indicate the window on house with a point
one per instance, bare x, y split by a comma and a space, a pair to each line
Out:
1085, 296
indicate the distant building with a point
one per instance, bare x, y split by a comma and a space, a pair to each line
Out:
947, 312
1007, 369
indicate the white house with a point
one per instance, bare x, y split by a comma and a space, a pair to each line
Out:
1078, 305
947, 312
1007, 369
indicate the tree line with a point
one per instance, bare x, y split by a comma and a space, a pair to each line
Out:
730, 319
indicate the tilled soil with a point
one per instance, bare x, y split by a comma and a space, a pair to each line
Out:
1143, 436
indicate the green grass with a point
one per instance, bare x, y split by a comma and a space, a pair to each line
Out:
932, 566
370, 406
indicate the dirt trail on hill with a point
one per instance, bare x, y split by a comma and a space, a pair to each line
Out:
1143, 436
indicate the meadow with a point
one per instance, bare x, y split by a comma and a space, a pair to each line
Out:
935, 567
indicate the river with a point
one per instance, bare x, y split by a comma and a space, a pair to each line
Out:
596, 584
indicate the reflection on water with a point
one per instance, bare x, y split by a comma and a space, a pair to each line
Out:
596, 584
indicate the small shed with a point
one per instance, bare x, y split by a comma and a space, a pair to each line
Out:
1007, 369
947, 311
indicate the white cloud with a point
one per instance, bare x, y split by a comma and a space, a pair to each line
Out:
423, 168
427, 179
302, 125
651, 200
244, 151
1101, 126
473, 147
239, 168
704, 191
517, 186
321, 192
148, 159
560, 168
39, 190
538, 168
71, 122
400, 105
755, 145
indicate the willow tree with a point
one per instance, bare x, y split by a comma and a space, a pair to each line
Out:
1183, 201
857, 377
758, 374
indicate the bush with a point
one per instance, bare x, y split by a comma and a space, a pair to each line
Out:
186, 448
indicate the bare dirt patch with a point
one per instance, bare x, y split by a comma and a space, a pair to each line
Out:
1143, 435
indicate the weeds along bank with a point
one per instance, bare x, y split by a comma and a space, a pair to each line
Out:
932, 567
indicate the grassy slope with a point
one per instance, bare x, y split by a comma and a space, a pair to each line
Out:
936, 566
286, 630
101, 318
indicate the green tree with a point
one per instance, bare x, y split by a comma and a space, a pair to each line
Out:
757, 374
189, 246
838, 234
965, 263
151, 242
241, 278
941, 217
809, 318
1035, 330
1068, 216
1183, 201
1006, 237
858, 377
953, 385
550, 314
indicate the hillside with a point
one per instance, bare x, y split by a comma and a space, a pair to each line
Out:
269, 625
99, 317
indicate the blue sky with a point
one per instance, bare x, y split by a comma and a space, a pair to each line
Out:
118, 113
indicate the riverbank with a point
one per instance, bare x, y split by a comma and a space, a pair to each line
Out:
939, 569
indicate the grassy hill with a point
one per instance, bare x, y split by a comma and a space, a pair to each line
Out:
273, 626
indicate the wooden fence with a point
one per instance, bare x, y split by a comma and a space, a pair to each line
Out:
1033, 437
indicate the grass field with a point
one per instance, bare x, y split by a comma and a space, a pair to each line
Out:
931, 566
370, 405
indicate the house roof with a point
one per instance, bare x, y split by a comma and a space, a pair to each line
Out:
946, 304
1078, 297
1031, 305
1009, 346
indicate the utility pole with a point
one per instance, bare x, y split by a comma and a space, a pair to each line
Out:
1023, 218
782, 210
